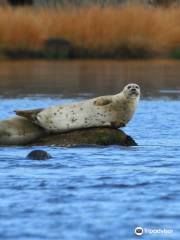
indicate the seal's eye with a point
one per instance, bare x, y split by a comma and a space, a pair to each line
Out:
136, 87
129, 87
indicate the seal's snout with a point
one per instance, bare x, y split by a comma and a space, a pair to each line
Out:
133, 90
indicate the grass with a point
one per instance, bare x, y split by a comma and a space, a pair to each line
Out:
124, 31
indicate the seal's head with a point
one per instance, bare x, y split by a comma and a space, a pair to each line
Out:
132, 90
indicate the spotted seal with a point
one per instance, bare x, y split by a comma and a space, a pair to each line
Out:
105, 111
18, 131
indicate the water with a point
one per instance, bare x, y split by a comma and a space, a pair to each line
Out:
96, 192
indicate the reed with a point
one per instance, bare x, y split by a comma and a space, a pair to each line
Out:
98, 29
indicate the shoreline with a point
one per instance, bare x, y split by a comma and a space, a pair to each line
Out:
71, 53
126, 32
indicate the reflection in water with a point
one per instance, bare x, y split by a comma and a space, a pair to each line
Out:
72, 78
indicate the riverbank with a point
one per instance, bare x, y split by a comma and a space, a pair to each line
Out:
93, 32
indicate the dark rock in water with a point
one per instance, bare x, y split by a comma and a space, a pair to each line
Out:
38, 155
56, 48
92, 136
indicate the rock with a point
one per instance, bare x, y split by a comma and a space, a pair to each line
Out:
38, 155
56, 48
93, 136
20, 2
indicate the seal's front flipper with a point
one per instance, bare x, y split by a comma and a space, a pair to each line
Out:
102, 101
29, 114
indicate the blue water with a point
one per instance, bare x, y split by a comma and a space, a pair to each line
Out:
95, 192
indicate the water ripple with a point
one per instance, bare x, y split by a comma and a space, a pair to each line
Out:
94, 192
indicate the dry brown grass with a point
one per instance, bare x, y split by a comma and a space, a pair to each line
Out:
95, 28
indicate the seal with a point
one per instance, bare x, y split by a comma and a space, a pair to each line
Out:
38, 155
105, 111
19, 131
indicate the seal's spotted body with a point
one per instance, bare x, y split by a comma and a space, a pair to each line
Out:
111, 111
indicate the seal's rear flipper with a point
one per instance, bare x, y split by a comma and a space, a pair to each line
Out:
29, 114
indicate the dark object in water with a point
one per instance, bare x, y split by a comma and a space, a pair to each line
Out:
53, 48
20, 2
38, 155
56, 48
101, 136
